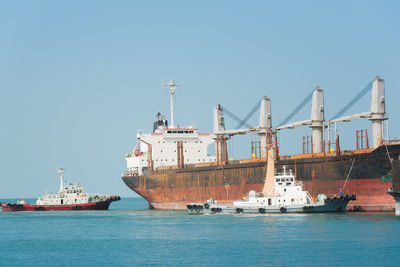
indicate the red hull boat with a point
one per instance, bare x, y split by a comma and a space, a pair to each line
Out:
24, 206
71, 197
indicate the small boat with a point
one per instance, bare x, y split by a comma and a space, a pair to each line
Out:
289, 196
281, 194
71, 197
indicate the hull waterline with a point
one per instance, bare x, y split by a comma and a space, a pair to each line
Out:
369, 179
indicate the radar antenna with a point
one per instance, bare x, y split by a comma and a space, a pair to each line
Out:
172, 84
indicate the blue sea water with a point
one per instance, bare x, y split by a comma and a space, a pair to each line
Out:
131, 235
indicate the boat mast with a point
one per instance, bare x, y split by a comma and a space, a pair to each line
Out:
172, 84
60, 172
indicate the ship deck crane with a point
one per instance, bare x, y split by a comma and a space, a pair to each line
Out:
376, 114
222, 131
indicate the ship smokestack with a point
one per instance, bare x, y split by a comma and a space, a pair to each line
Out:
317, 120
219, 123
378, 110
265, 124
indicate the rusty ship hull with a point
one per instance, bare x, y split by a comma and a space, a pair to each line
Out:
369, 179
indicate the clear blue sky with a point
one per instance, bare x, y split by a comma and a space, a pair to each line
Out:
79, 78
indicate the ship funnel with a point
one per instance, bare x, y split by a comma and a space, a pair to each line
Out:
265, 124
219, 123
317, 120
378, 110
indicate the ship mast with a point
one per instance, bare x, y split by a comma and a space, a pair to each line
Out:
172, 84
60, 172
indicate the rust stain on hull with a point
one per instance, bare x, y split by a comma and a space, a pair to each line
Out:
174, 188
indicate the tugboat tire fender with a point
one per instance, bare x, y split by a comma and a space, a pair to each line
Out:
282, 209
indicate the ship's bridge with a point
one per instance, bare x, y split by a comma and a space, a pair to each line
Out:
164, 148
179, 133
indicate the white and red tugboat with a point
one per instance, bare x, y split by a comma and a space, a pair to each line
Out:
69, 197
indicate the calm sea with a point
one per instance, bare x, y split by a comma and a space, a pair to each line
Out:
129, 234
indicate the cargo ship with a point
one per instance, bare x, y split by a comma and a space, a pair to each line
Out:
69, 198
170, 167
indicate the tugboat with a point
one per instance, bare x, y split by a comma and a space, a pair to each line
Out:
71, 197
281, 194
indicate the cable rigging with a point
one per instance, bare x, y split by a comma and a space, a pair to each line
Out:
297, 109
353, 101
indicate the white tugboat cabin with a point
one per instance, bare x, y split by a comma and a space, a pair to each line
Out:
71, 194
288, 192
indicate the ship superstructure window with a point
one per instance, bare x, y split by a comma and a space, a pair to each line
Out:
179, 132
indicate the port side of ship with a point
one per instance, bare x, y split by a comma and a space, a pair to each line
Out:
170, 167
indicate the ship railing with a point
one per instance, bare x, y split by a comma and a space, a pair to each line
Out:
391, 142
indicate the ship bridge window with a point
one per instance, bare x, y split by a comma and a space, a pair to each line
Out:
278, 180
180, 132
291, 179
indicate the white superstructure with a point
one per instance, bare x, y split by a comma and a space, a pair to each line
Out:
164, 147
71, 194
287, 192
161, 149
